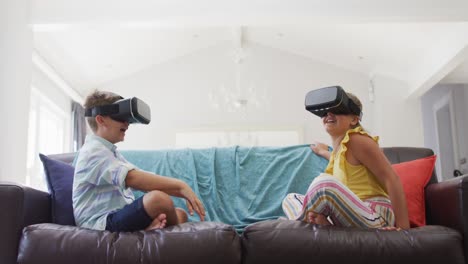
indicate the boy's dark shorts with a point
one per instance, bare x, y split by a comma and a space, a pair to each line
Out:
132, 217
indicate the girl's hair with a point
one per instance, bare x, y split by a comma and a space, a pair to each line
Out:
356, 100
97, 98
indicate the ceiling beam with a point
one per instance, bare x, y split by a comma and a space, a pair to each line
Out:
50, 72
440, 66
165, 13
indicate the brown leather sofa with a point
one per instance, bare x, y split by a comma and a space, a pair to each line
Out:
27, 236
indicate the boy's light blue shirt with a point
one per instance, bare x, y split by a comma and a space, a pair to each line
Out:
99, 183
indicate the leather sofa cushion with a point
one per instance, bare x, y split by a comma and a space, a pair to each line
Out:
202, 242
285, 241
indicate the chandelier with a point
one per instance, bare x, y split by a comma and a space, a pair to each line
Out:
242, 94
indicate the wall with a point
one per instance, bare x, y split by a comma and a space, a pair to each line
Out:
460, 96
461, 115
397, 119
15, 76
47, 87
17, 73
178, 94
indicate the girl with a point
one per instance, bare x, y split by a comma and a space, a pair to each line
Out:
359, 187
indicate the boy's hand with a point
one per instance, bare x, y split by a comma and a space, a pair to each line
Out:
193, 203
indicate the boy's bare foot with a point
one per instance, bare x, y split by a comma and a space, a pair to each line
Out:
158, 223
182, 216
315, 218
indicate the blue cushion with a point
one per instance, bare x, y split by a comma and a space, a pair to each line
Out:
59, 177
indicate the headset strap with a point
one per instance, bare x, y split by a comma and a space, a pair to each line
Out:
104, 110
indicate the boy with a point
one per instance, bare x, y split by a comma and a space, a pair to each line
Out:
102, 195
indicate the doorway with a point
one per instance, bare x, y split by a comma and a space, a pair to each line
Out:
444, 120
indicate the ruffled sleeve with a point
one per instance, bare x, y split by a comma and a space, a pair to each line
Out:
344, 148
341, 155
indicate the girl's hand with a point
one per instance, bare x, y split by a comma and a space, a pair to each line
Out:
320, 149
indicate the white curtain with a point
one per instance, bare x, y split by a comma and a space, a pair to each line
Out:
78, 126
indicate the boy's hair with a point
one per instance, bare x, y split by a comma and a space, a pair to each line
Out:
97, 98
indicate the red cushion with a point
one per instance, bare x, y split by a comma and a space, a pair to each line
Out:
414, 176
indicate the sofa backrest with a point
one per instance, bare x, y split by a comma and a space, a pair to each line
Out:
242, 175
394, 155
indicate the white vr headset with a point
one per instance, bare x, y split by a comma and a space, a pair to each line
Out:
131, 110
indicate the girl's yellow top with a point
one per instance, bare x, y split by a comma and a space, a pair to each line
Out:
357, 177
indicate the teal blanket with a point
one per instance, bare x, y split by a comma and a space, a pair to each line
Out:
237, 185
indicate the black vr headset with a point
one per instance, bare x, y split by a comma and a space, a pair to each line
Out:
132, 110
330, 99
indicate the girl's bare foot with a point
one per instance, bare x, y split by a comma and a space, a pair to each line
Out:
315, 218
182, 216
158, 223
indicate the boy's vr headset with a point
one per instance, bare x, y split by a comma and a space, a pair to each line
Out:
132, 110
330, 99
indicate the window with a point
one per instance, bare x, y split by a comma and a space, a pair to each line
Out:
47, 134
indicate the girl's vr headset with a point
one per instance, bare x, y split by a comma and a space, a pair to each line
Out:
330, 99
132, 110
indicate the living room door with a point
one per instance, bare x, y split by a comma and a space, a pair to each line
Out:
447, 146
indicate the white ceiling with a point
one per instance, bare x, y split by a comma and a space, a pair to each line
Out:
89, 56
411, 42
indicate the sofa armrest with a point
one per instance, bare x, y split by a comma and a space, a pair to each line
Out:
447, 205
21, 206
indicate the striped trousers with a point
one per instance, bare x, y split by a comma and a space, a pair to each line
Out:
326, 195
